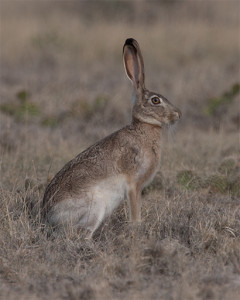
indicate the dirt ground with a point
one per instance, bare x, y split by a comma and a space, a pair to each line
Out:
62, 88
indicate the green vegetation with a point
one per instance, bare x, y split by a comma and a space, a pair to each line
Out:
227, 166
86, 109
235, 186
50, 121
21, 109
225, 98
226, 180
217, 183
79, 109
189, 179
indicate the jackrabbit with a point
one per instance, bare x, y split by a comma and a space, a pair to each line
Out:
90, 186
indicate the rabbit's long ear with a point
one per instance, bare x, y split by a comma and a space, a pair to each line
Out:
133, 62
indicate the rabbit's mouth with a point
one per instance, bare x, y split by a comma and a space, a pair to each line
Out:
172, 122
172, 118
175, 116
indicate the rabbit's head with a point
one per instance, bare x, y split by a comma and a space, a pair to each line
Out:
148, 107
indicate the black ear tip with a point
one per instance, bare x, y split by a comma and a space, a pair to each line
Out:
129, 42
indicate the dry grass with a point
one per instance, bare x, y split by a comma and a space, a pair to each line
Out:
68, 59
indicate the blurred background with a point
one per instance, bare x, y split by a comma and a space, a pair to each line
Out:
63, 84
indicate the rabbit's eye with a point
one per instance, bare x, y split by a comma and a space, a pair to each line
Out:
155, 100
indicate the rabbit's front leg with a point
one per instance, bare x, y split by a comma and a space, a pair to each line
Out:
134, 202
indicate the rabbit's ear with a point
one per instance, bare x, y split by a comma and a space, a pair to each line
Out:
133, 62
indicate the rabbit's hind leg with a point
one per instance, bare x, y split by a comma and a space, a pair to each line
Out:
69, 211
93, 219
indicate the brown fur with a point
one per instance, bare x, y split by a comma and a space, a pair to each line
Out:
132, 154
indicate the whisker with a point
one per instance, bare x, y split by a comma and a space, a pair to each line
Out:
172, 128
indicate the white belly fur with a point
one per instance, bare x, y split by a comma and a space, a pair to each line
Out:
109, 193
91, 208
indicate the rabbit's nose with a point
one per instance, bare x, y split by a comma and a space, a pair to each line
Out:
178, 113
